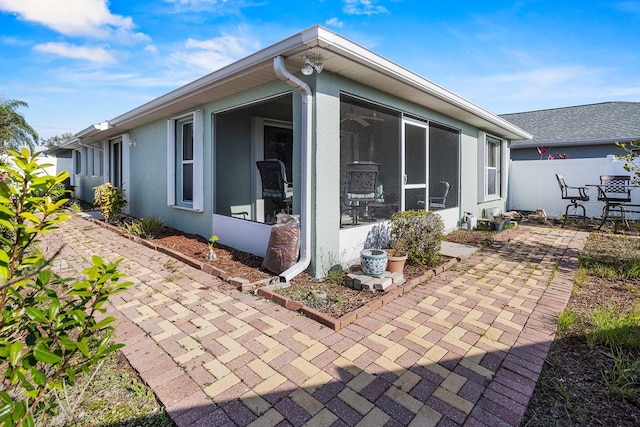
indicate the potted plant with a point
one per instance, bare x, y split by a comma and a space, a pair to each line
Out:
373, 258
497, 223
397, 255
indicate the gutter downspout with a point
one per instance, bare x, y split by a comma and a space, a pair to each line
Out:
305, 207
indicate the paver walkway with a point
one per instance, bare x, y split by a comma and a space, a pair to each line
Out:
466, 348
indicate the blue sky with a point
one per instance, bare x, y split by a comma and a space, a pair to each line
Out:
79, 62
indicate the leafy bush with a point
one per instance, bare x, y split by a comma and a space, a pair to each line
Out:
49, 332
147, 227
378, 237
110, 200
421, 233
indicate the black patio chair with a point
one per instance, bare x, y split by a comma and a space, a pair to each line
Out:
615, 192
274, 185
360, 190
577, 196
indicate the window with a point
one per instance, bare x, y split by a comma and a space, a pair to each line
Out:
369, 133
94, 161
184, 154
419, 159
185, 162
444, 166
78, 161
493, 165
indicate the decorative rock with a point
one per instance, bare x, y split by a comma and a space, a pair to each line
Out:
398, 278
361, 281
383, 283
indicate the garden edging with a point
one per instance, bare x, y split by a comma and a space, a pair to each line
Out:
388, 295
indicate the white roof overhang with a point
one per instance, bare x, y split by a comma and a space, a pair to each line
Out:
339, 56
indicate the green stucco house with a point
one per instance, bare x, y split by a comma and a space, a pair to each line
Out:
317, 103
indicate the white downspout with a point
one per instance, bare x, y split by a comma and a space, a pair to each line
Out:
305, 207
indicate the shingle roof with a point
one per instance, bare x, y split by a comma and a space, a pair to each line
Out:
581, 124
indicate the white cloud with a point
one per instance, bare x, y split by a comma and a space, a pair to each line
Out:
334, 22
552, 86
213, 54
92, 54
363, 7
90, 18
547, 76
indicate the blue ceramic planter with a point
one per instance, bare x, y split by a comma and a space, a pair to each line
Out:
373, 262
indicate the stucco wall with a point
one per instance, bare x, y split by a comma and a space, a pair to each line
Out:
149, 164
148, 174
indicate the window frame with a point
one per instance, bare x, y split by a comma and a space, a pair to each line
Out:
94, 160
78, 161
175, 162
494, 152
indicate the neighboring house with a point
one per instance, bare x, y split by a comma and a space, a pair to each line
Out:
582, 131
585, 135
189, 157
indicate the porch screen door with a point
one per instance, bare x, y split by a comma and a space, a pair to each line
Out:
414, 164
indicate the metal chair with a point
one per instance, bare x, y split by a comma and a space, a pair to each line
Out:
274, 184
438, 197
576, 195
614, 191
360, 189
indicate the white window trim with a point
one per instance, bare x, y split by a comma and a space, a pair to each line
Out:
83, 161
198, 161
501, 172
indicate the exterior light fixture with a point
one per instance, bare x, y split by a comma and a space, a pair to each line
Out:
307, 70
310, 65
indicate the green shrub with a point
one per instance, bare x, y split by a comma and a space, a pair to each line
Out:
52, 329
75, 207
147, 227
110, 200
421, 233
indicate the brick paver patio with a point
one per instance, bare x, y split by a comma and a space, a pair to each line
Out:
466, 348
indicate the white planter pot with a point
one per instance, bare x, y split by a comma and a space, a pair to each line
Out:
373, 262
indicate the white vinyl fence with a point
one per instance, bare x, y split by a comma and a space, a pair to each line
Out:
533, 185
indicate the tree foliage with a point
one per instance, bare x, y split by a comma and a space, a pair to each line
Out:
51, 328
15, 132
633, 155
58, 140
